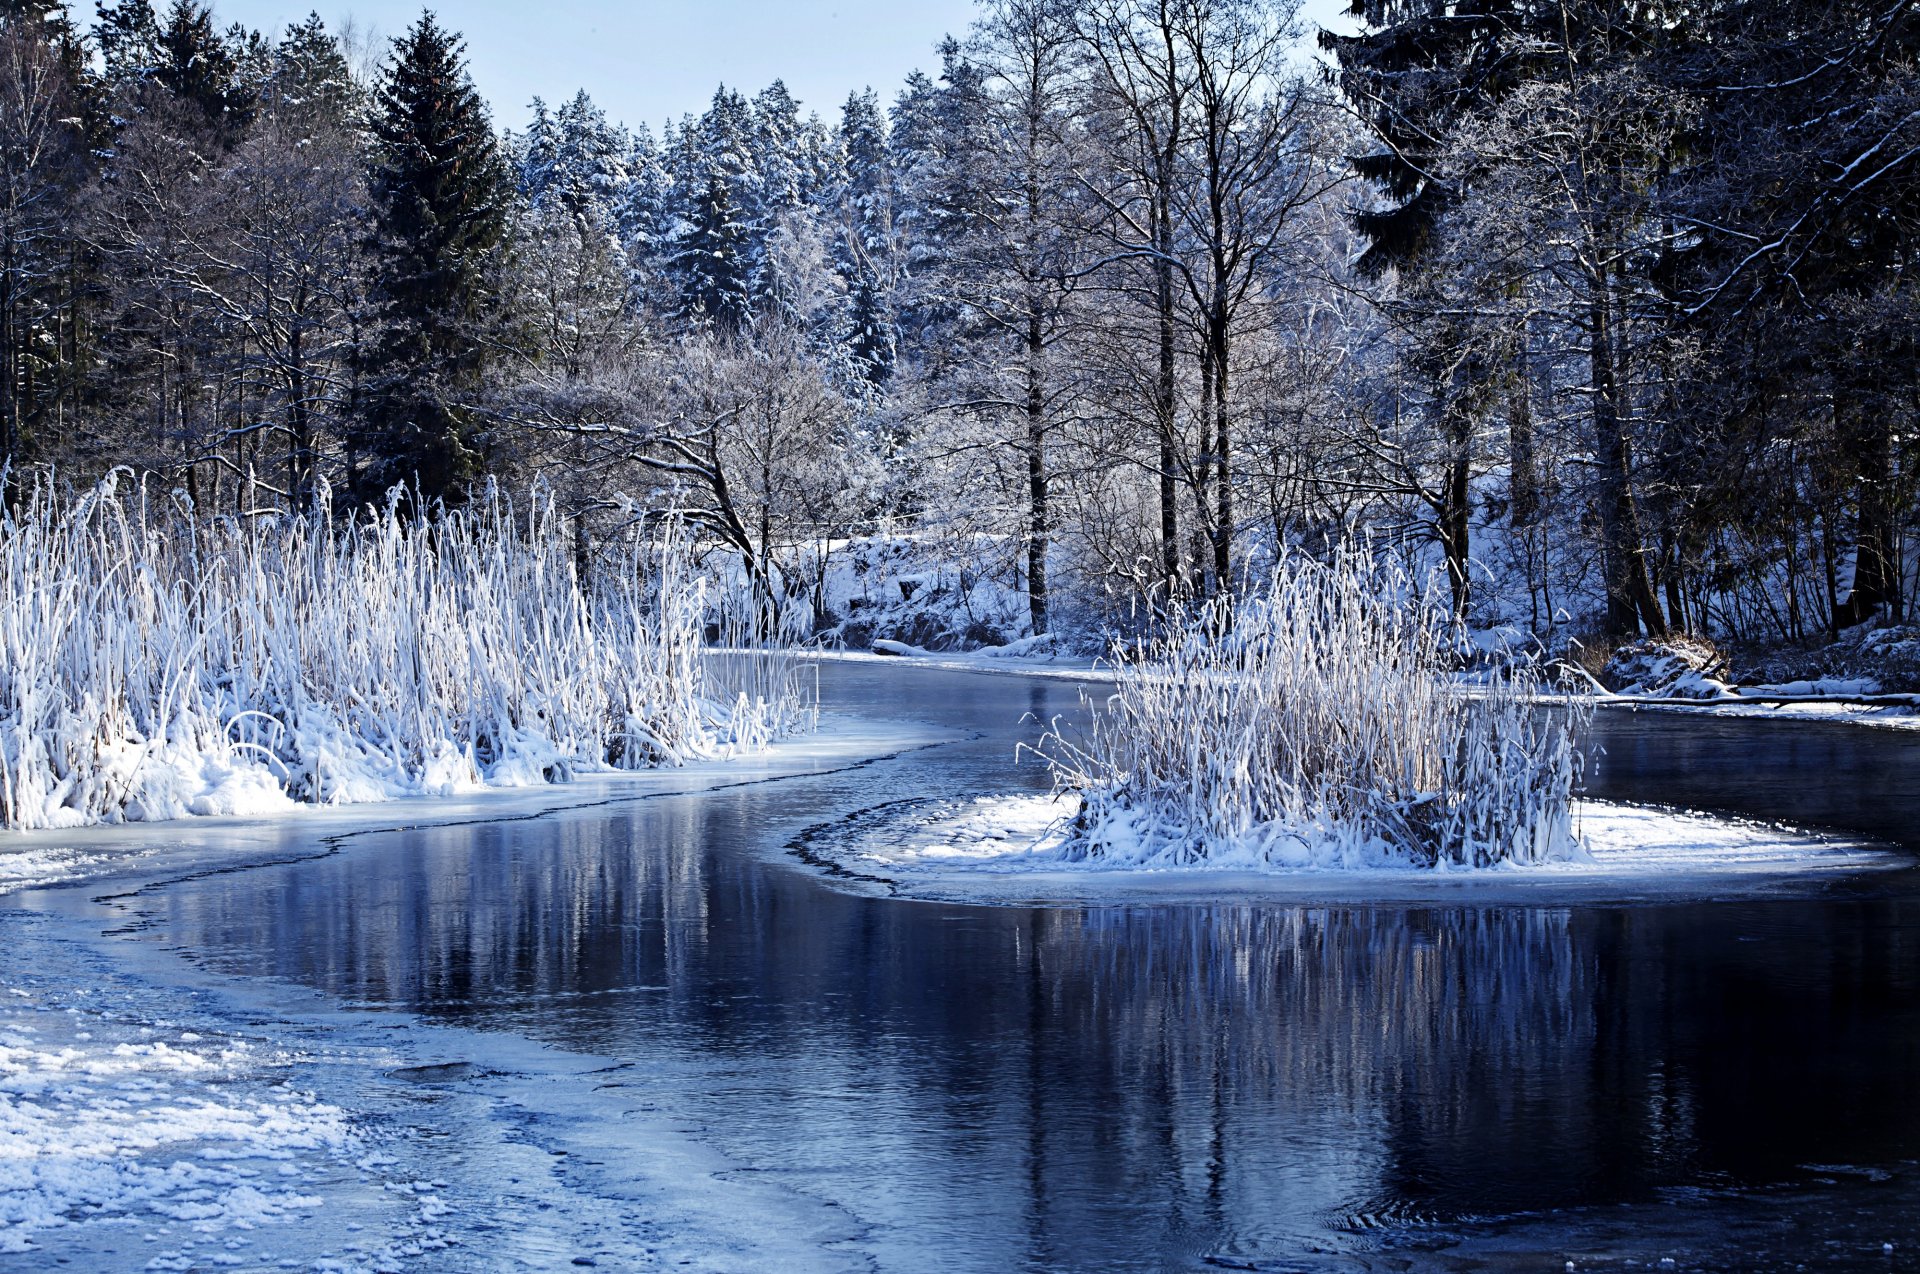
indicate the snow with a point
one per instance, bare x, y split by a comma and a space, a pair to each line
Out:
920, 591
108, 1118
1846, 711
1018, 848
65, 856
242, 668
1671, 667
987, 659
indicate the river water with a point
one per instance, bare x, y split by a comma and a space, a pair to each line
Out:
1722, 1083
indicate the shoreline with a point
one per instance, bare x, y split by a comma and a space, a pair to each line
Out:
1004, 851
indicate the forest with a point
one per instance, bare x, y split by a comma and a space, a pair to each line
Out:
1603, 312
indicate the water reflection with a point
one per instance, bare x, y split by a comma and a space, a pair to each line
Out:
1121, 1086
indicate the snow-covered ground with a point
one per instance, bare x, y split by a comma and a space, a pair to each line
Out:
1016, 849
1848, 709
1020, 658
1862, 679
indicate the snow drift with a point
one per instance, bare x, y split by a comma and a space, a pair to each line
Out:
155, 664
1320, 723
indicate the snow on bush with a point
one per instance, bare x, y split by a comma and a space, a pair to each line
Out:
154, 664
1677, 667
1319, 723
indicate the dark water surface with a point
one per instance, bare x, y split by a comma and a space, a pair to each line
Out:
1729, 1084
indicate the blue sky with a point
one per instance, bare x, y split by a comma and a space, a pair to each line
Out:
657, 59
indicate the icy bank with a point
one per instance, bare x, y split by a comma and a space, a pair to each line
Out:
1019, 848
156, 664
155, 1114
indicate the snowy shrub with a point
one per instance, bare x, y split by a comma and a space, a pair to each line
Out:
154, 664
1676, 666
1320, 723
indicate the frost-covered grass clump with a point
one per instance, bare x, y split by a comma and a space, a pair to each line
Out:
1321, 722
155, 664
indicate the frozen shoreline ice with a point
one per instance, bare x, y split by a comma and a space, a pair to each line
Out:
153, 1114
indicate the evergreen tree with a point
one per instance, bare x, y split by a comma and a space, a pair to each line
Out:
867, 247
533, 152
780, 146
938, 145
128, 35
311, 81
440, 192
716, 281
641, 208
589, 163
718, 247
200, 67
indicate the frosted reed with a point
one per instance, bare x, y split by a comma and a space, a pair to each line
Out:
1319, 722
155, 664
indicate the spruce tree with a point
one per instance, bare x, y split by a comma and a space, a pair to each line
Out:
866, 248
199, 68
129, 38
441, 194
715, 276
311, 80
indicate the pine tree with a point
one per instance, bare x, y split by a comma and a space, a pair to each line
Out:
199, 66
129, 38
937, 146
533, 152
1414, 75
716, 282
589, 163
440, 193
778, 142
867, 246
641, 206
311, 81
718, 248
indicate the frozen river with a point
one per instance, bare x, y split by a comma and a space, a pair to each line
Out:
1720, 1082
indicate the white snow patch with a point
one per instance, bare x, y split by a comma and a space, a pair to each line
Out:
32, 860
1020, 848
107, 1124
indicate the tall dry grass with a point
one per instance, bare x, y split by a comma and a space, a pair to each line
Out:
154, 663
1321, 721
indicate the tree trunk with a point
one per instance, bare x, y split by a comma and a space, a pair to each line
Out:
1200, 478
1456, 516
1037, 512
1164, 404
1630, 599
1876, 569
1222, 452
1523, 468
300, 444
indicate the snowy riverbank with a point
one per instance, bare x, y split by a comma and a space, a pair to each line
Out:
1013, 849
155, 1115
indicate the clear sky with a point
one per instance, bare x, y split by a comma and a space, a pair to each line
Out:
651, 60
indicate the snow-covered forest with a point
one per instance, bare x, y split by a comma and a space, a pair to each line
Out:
1607, 311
